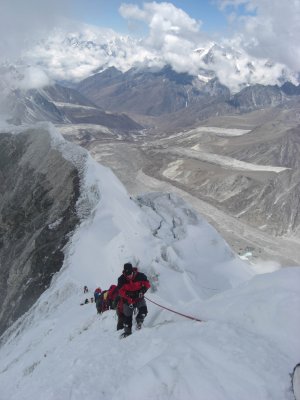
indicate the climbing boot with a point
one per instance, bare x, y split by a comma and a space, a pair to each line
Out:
139, 321
127, 331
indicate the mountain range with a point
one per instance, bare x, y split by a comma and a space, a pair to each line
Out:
149, 120
85, 51
175, 96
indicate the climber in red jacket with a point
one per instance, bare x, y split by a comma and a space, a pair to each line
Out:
132, 286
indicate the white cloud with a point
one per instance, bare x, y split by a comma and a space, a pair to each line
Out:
129, 11
271, 31
76, 51
21, 22
20, 77
162, 17
166, 23
173, 35
34, 78
76, 54
236, 69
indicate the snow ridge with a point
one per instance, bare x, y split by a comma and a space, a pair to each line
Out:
246, 348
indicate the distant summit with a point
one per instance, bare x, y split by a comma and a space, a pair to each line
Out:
103, 49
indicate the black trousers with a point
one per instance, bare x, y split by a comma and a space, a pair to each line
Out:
128, 312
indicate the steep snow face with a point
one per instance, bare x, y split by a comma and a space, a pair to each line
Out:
244, 348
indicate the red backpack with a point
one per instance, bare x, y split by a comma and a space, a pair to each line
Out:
112, 292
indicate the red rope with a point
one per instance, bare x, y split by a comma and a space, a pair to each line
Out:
175, 312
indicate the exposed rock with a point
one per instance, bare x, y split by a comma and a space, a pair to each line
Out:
151, 92
290, 89
57, 93
263, 198
62, 105
165, 100
258, 96
31, 106
38, 193
275, 203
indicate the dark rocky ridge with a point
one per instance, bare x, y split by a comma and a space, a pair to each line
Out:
38, 193
62, 105
164, 100
258, 96
31, 106
151, 93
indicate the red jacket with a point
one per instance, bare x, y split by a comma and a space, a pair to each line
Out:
131, 290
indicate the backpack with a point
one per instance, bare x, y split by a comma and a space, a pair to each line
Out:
97, 293
102, 302
113, 296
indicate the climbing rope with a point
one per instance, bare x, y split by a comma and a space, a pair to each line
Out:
173, 311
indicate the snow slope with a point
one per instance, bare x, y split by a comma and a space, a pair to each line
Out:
244, 349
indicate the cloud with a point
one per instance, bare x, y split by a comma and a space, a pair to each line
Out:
236, 69
76, 54
34, 77
271, 30
173, 34
162, 17
21, 22
76, 51
244, 58
19, 77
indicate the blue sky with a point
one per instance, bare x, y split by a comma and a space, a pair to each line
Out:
105, 13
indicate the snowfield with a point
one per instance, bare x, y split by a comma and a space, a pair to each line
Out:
216, 159
218, 131
245, 347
